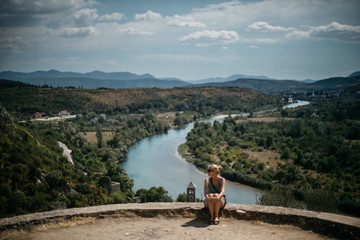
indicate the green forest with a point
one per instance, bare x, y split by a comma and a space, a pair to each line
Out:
35, 176
307, 157
311, 154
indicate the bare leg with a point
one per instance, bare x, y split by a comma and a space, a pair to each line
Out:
217, 205
209, 204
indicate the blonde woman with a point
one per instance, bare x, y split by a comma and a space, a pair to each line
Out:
214, 191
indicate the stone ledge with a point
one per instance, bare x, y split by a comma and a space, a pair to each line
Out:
329, 224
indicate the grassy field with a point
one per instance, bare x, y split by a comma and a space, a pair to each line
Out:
91, 136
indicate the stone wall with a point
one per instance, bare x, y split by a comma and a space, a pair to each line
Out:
333, 225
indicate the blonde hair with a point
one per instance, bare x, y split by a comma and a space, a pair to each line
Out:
217, 168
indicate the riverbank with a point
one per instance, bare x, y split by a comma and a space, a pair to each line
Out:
267, 157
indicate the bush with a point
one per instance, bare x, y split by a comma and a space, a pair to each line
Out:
319, 200
83, 188
279, 196
154, 194
351, 207
182, 197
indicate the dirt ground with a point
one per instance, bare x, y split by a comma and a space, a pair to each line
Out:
158, 228
268, 157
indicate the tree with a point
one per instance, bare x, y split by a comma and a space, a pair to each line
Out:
80, 139
182, 197
99, 137
104, 181
154, 194
286, 153
102, 118
269, 142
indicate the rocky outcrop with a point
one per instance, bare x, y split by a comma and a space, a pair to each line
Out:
329, 224
66, 152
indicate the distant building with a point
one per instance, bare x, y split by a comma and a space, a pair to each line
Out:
64, 113
39, 114
114, 186
190, 193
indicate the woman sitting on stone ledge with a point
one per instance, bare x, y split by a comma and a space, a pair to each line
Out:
214, 191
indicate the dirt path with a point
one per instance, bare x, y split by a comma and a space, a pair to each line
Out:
159, 228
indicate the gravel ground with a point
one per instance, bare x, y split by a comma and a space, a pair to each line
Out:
117, 227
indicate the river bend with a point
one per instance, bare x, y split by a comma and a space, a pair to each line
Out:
154, 161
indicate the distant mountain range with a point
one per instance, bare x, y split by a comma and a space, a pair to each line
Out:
57, 74
274, 86
354, 74
95, 79
98, 79
231, 78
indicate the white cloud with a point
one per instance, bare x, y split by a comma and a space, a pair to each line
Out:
266, 40
265, 27
207, 37
149, 15
298, 34
112, 17
85, 17
132, 30
333, 30
112, 28
334, 27
337, 30
274, 14
77, 31
185, 22
10, 44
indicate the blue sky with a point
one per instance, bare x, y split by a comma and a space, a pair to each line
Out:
186, 39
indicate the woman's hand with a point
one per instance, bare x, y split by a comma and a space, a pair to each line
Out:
213, 196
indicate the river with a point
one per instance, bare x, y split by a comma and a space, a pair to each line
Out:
154, 161
298, 103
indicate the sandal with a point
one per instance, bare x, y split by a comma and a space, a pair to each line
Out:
211, 222
216, 222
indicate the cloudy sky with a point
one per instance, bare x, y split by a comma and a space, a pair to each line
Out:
186, 39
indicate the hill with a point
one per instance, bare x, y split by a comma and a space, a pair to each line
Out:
122, 80
57, 74
23, 102
36, 177
354, 74
10, 84
230, 78
91, 83
260, 84
92, 80
335, 83
276, 86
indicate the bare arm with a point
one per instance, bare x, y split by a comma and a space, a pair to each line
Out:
206, 187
